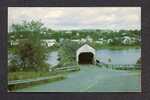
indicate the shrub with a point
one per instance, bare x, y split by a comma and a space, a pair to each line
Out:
67, 53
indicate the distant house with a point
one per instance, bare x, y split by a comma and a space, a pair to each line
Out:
77, 34
83, 40
16, 42
61, 40
109, 41
126, 40
88, 38
13, 43
102, 41
133, 40
124, 34
50, 42
106, 31
99, 42
86, 55
76, 40
68, 32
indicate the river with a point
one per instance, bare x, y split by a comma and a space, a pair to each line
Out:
127, 56
53, 58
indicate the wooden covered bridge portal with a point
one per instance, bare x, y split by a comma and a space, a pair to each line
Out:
86, 55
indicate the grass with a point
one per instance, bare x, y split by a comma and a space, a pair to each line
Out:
126, 68
29, 75
12, 87
52, 76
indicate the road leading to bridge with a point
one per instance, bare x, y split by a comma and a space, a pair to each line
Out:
93, 79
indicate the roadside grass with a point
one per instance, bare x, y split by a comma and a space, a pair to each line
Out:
127, 68
31, 77
30, 83
133, 70
28, 75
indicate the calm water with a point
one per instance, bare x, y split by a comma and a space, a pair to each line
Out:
53, 58
129, 56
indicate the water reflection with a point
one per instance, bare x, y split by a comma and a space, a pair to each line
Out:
53, 58
129, 56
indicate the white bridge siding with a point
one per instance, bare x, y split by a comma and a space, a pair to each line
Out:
86, 49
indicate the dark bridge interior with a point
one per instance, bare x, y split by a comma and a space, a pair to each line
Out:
86, 58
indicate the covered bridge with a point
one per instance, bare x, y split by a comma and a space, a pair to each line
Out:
85, 55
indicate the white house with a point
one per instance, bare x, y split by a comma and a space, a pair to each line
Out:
61, 40
88, 38
77, 34
102, 40
16, 42
109, 41
50, 42
76, 40
126, 40
68, 32
83, 40
12, 42
99, 42
86, 55
124, 34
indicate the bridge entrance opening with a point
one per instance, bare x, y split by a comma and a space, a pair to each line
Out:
86, 58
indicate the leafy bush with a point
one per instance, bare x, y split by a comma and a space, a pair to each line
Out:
14, 64
67, 53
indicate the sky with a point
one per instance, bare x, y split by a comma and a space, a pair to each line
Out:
66, 18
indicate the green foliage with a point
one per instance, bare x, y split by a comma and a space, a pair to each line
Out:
127, 68
15, 64
23, 75
116, 36
29, 49
32, 55
45, 78
67, 52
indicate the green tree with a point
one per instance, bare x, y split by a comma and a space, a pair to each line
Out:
30, 49
67, 52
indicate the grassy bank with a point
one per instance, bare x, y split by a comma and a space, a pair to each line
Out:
32, 75
115, 67
28, 75
18, 80
13, 85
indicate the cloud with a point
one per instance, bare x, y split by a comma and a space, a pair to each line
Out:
79, 17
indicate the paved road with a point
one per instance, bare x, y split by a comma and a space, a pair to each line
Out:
92, 79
